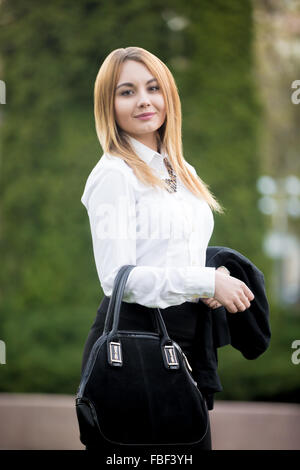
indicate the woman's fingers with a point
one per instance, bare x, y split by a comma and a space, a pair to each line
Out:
244, 297
232, 293
245, 300
211, 302
241, 302
216, 304
248, 293
231, 308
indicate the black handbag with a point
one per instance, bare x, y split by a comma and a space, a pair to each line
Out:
136, 387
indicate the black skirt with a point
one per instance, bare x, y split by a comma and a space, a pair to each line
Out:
181, 323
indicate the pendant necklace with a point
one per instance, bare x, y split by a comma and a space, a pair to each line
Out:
172, 183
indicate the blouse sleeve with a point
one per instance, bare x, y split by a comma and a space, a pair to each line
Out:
111, 207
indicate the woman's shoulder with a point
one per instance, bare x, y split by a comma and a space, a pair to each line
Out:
107, 165
111, 163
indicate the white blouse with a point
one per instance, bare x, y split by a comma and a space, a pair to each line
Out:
164, 234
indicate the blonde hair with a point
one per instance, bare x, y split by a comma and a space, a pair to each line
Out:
113, 139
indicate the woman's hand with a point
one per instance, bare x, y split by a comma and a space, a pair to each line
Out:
230, 292
211, 301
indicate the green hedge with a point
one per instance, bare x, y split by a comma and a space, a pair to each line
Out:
270, 377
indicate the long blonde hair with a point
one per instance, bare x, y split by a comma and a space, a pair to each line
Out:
113, 139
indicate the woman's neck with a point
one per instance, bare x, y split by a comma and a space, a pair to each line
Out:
151, 141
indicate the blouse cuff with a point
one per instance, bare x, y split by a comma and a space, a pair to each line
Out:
200, 281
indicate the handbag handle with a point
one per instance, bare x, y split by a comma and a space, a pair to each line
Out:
111, 305
113, 312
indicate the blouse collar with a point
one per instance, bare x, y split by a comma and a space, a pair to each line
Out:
144, 152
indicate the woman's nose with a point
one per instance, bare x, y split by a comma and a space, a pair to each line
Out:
143, 99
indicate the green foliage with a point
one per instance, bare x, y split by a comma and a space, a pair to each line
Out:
271, 377
51, 54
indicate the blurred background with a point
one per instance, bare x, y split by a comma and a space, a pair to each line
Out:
237, 68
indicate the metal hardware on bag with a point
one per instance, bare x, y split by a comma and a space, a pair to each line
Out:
115, 353
171, 356
187, 362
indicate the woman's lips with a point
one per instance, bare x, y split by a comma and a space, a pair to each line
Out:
145, 117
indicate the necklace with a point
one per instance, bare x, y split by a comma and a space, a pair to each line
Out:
172, 183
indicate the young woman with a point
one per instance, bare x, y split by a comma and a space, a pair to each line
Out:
148, 207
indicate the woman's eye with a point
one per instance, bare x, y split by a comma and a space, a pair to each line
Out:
126, 92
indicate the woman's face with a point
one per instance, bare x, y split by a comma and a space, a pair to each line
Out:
138, 92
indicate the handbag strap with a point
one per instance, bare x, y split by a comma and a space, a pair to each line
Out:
113, 312
114, 349
111, 305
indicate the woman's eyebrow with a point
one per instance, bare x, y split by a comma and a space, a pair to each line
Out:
131, 84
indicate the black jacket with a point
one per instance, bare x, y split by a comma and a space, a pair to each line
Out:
247, 331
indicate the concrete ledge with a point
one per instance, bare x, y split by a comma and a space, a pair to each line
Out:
34, 421
43, 422
255, 426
